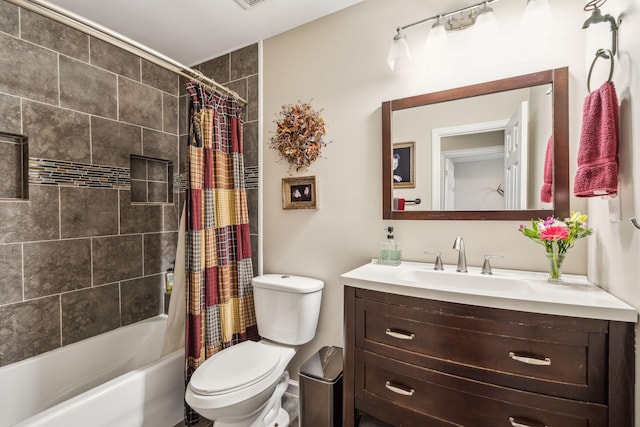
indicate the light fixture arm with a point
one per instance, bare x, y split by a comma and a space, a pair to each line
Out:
446, 15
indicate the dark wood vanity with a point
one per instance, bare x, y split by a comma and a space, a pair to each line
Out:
421, 362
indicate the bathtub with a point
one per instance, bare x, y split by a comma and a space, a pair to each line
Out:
116, 379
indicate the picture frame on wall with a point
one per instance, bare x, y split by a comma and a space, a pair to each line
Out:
300, 193
403, 161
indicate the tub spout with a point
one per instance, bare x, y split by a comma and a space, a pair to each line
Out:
458, 245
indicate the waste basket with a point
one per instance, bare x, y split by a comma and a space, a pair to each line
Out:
321, 389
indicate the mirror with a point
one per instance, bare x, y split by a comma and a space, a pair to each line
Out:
478, 152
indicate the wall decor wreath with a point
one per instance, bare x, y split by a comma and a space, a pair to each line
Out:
299, 135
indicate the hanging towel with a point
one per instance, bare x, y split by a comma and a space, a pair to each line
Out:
546, 195
597, 173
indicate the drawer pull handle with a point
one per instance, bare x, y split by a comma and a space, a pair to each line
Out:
405, 391
401, 335
515, 423
530, 360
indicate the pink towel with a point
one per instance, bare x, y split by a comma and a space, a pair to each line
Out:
597, 173
546, 195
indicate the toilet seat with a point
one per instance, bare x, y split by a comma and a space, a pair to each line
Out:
235, 368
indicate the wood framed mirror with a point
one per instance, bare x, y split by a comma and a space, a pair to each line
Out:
425, 121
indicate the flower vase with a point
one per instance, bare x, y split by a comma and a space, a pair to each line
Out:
555, 266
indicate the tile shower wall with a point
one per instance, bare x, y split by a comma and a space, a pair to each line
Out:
78, 259
238, 71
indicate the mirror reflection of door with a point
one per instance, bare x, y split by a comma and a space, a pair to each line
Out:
515, 158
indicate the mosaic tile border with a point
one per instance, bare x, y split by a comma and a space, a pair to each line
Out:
60, 172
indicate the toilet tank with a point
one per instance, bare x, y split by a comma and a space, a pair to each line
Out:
287, 307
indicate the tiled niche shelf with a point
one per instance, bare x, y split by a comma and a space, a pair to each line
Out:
14, 167
151, 180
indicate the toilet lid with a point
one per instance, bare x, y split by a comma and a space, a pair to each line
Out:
235, 368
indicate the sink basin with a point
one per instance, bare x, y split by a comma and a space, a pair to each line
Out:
463, 281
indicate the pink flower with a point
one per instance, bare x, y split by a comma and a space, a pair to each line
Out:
554, 232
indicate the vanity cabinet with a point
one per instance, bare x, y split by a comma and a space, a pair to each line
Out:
420, 362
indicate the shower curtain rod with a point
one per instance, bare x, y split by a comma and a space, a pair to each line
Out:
96, 30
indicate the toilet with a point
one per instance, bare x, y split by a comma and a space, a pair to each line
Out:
242, 386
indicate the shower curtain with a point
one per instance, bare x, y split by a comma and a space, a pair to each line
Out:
219, 295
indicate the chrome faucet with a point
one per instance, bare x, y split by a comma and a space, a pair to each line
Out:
458, 245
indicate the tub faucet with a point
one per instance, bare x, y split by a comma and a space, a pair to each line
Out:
458, 245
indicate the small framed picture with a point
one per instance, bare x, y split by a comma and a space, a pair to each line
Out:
403, 162
299, 193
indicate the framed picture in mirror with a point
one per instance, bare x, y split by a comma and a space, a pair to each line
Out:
299, 193
404, 164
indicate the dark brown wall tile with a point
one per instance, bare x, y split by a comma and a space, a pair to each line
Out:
86, 212
170, 113
252, 206
250, 143
254, 253
139, 192
157, 171
56, 133
157, 192
159, 251
11, 278
53, 35
56, 266
159, 77
160, 145
11, 170
116, 258
36, 220
90, 312
141, 298
38, 76
138, 218
10, 118
244, 62
183, 113
217, 69
239, 87
29, 328
139, 104
112, 58
184, 140
138, 168
112, 142
252, 99
9, 18
171, 219
88, 89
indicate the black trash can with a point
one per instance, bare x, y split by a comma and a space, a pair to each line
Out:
321, 389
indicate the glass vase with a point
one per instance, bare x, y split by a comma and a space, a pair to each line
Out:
555, 266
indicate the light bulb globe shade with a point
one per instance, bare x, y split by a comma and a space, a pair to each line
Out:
536, 14
436, 43
399, 55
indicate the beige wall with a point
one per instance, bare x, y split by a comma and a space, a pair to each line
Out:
339, 64
614, 249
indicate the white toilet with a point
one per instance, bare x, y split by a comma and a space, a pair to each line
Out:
242, 386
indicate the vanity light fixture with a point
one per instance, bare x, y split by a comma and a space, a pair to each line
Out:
479, 14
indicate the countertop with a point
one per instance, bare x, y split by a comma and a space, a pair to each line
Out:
506, 289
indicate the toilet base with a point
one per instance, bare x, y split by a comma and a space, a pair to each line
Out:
282, 420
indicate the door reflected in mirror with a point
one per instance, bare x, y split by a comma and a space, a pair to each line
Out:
479, 151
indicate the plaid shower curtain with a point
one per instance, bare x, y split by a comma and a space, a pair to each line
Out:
219, 295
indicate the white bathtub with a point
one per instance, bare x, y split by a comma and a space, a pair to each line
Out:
116, 379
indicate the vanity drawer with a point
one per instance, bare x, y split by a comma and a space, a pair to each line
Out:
539, 353
406, 395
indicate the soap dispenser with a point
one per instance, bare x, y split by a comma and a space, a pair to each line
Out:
390, 249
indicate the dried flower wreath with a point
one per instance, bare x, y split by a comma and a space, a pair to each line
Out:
299, 134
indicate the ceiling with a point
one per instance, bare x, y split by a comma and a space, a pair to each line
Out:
193, 31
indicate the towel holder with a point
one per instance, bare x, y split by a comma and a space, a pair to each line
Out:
597, 17
601, 53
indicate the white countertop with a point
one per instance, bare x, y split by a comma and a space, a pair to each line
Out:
506, 289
